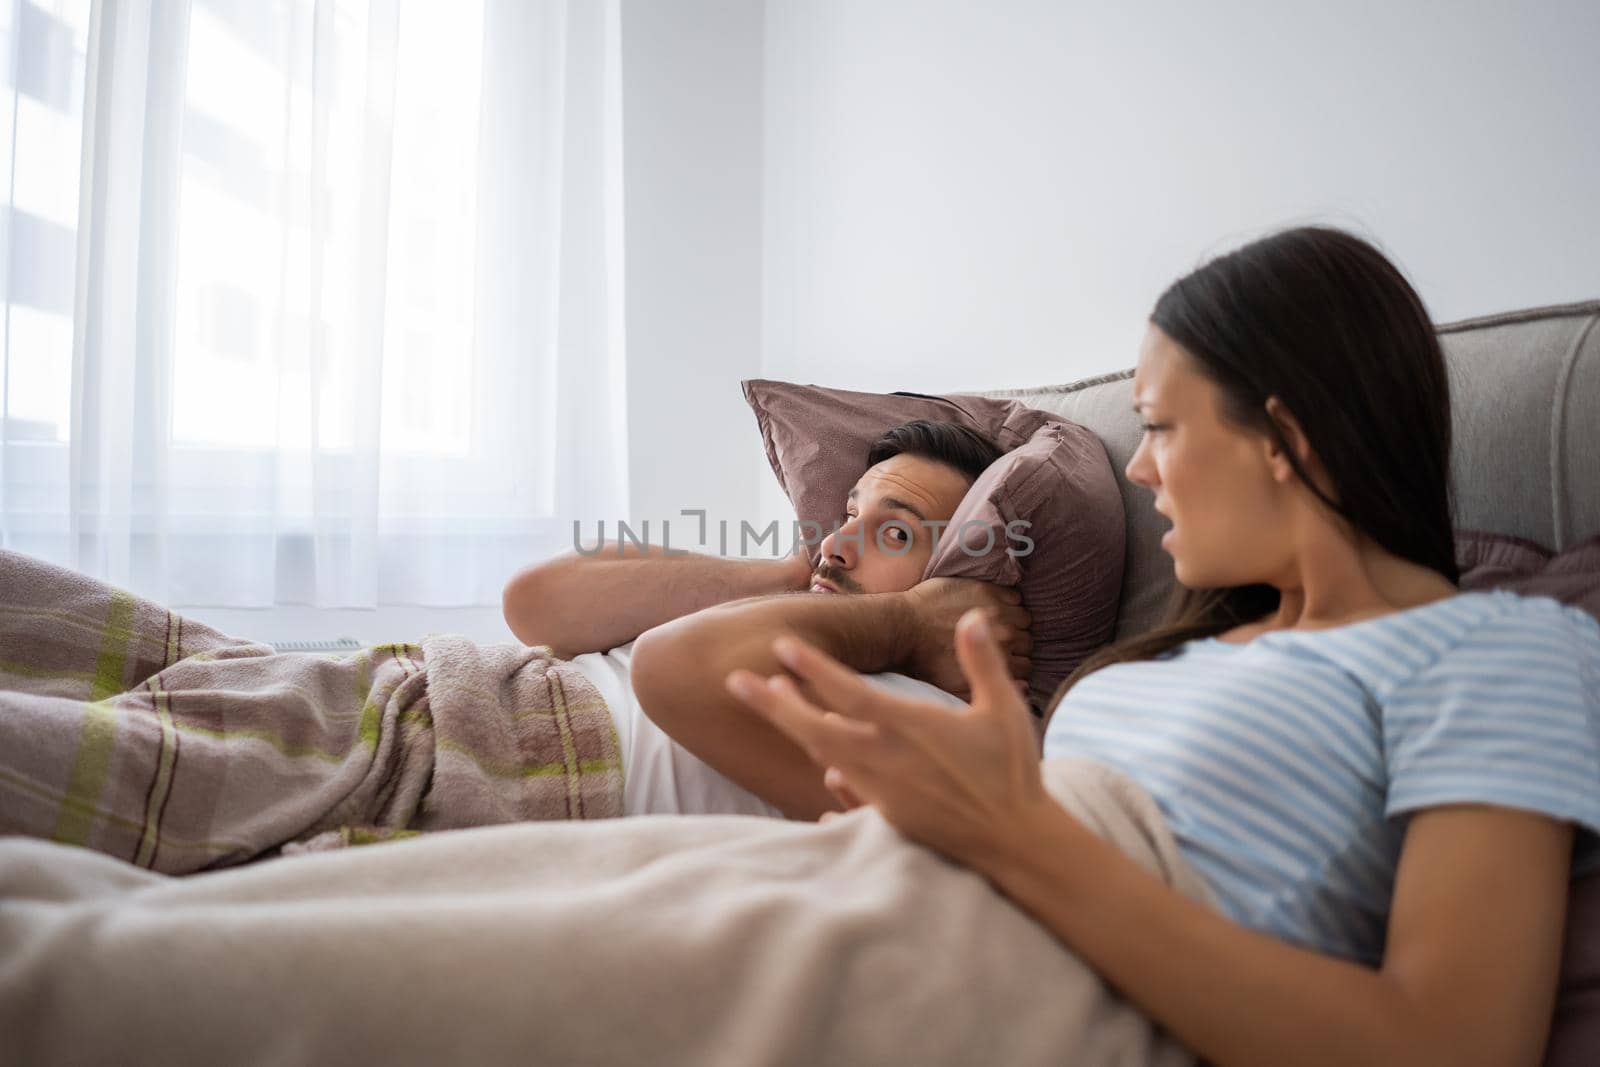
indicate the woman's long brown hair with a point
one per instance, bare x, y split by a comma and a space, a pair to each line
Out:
1322, 320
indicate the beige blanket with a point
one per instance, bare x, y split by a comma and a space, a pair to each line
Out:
658, 940
134, 731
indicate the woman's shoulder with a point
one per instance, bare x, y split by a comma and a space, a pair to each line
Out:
1472, 618
1464, 632
1492, 631
1446, 612
1509, 610
1481, 612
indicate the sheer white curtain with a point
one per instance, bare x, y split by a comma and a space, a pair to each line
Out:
310, 301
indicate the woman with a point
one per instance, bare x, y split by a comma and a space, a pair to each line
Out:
1379, 775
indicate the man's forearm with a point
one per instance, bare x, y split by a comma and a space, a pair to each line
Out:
678, 671
590, 603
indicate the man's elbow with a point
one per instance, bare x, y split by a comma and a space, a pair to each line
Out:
659, 673
525, 604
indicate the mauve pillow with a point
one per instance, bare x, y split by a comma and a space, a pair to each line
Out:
1055, 476
1497, 561
1494, 561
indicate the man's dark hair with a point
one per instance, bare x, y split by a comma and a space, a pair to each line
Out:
950, 443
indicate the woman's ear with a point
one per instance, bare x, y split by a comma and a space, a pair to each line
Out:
1292, 435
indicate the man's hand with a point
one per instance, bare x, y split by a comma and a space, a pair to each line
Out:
797, 570
934, 606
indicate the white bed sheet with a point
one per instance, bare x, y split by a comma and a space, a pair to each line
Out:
660, 776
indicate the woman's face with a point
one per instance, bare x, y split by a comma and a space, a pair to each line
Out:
1232, 519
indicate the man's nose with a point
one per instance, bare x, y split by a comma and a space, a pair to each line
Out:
840, 548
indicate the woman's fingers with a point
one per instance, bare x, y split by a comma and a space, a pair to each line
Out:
987, 668
839, 786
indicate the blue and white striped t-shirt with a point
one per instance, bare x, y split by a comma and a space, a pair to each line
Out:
1281, 763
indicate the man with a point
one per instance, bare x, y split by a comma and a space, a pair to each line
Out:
129, 729
698, 617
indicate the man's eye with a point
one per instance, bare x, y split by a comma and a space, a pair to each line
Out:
1152, 427
900, 534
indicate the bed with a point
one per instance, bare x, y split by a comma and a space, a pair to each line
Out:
722, 939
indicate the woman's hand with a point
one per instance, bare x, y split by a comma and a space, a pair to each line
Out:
963, 781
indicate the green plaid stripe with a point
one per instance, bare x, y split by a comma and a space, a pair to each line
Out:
99, 735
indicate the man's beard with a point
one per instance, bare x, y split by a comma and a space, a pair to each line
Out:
836, 578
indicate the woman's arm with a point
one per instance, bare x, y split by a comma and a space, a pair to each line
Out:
1475, 929
591, 603
1469, 974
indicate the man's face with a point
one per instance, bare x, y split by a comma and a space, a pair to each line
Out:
884, 546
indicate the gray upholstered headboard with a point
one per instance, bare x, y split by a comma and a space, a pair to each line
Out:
1525, 390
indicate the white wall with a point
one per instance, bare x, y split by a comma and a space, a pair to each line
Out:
949, 194
692, 85
975, 194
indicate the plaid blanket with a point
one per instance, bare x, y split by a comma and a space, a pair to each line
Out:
131, 730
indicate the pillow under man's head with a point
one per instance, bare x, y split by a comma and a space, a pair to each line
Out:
917, 475
1046, 517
